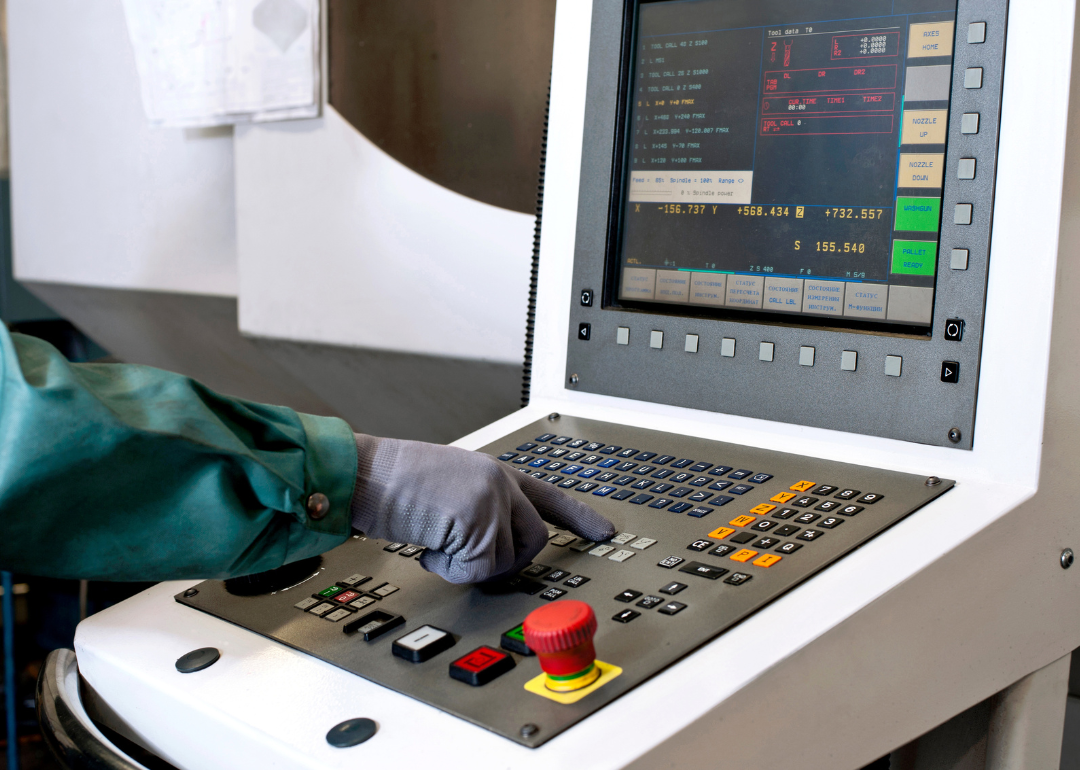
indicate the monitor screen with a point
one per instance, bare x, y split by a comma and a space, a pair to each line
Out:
785, 157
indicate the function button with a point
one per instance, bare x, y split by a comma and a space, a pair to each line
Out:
642, 543
739, 578
786, 531
727, 347
802, 486
810, 534
623, 538
557, 575
762, 509
870, 498
959, 259
604, 491
764, 525
610, 450
581, 546
969, 123
622, 335
699, 497
663, 473
850, 510
893, 366
578, 443
681, 507
628, 452
326, 593
954, 329
577, 581
650, 601
422, 644
561, 439
830, 522
673, 588
973, 77
621, 556
656, 339
824, 489
805, 502
385, 590
552, 594
626, 616
744, 555
740, 489
481, 666
601, 550
322, 609
767, 560
346, 596
664, 459
395, 547
784, 513
628, 596
789, 548
536, 570
514, 640
723, 550
362, 602
526, 447
672, 608
743, 537
962, 214
700, 467
507, 456
587, 486
742, 521
644, 456
720, 470
703, 510
739, 475
765, 543
807, 518
760, 478
410, 550
703, 570
306, 604
848, 494
530, 587
339, 614
700, 545
721, 532
354, 580
784, 497
641, 499
828, 505
966, 169
622, 494
584, 332
765, 351
950, 372
373, 625
670, 562
977, 32
681, 463
806, 356
849, 360
691, 345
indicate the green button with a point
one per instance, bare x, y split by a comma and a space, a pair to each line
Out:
332, 590
517, 633
918, 214
914, 257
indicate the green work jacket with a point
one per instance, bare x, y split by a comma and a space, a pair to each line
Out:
122, 472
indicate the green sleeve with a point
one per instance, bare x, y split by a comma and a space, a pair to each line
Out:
119, 472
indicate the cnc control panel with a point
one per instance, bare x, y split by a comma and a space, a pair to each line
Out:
708, 532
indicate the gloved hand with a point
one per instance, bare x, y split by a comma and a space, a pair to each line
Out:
478, 518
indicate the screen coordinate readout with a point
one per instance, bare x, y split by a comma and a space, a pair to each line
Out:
787, 167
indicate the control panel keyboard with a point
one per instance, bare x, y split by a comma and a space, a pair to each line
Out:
708, 532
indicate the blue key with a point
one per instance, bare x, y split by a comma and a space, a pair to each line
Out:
661, 502
588, 473
740, 475
641, 499
622, 481
700, 511
604, 491
681, 463
701, 467
645, 469
680, 507
508, 456
700, 497
553, 479
569, 484
645, 456
700, 481
609, 462
522, 459
570, 470
661, 488
539, 475
760, 478
721, 500
588, 486
663, 473
740, 489
622, 494
606, 477
664, 459
539, 462
628, 452
545, 437
525, 447
555, 466
560, 440
720, 485
610, 450
626, 467
681, 492
720, 470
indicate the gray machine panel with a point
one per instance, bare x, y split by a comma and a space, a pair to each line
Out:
478, 615
916, 406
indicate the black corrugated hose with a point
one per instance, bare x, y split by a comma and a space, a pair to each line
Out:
534, 275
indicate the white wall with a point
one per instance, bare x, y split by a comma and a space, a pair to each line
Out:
100, 198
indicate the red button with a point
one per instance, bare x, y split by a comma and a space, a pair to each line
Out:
346, 596
481, 666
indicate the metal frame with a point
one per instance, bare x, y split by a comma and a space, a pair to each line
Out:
919, 407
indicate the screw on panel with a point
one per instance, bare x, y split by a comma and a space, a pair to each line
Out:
932, 481
553, 416
1066, 558
574, 379
190, 592
528, 730
955, 435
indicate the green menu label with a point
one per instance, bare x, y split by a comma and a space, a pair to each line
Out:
914, 257
918, 214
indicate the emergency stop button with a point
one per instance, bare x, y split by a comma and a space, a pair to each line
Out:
561, 635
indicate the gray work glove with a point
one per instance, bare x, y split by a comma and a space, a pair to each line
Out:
478, 518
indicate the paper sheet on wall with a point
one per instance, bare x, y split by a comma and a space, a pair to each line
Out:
215, 62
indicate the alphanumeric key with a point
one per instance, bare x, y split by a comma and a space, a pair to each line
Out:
807, 518
805, 502
810, 534
764, 525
